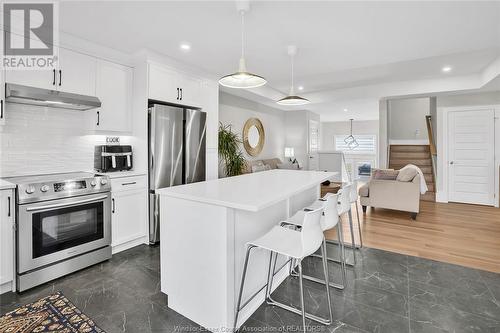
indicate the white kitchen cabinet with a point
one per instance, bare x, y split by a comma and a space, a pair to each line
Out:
114, 89
169, 85
190, 90
76, 73
129, 213
163, 84
2, 97
46, 79
6, 240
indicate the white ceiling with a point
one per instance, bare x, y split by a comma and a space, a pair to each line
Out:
341, 44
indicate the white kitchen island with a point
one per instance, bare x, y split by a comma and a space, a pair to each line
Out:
203, 231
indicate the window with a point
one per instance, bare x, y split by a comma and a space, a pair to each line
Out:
367, 144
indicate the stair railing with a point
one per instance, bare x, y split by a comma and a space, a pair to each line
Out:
432, 145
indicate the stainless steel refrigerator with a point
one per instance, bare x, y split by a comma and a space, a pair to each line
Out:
176, 153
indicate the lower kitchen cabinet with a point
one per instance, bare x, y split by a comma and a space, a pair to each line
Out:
129, 213
7, 220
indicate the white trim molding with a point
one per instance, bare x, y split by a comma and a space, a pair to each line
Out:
442, 148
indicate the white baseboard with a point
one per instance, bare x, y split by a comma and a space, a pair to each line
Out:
441, 197
129, 244
6, 287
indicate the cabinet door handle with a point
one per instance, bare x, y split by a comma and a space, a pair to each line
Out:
113, 205
1, 109
131, 183
98, 118
54, 77
181, 94
177, 93
60, 77
8, 203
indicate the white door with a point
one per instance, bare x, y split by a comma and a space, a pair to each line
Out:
114, 89
76, 73
313, 144
471, 156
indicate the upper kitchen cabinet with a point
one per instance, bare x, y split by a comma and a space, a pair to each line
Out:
114, 89
76, 73
163, 84
2, 97
46, 79
168, 85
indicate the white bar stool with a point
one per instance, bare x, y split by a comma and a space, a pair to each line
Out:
354, 200
296, 245
345, 207
329, 220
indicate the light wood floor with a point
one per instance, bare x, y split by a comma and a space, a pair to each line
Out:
467, 235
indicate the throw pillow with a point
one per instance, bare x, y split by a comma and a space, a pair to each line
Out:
364, 190
288, 166
259, 168
385, 174
407, 174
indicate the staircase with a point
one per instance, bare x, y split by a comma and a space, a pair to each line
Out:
419, 155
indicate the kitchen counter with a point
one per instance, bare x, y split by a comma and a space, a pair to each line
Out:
121, 174
250, 192
5, 185
203, 231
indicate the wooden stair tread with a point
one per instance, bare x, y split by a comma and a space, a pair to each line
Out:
424, 162
409, 155
410, 148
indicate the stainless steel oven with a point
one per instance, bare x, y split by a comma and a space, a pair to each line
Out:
63, 224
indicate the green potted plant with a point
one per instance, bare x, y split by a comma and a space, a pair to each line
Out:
229, 150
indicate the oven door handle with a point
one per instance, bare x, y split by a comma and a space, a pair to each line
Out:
30, 209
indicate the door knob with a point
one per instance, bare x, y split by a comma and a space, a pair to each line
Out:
451, 162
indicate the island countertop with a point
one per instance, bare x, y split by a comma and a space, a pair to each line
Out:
250, 192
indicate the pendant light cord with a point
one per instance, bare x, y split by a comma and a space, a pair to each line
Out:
242, 34
292, 88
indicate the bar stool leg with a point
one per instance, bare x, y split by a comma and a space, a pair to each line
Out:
340, 238
359, 225
327, 280
302, 305
352, 236
245, 266
301, 311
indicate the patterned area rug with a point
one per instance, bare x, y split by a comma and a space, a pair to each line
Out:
54, 313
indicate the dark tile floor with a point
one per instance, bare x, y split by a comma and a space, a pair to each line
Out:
387, 292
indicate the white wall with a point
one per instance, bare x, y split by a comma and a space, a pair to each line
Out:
330, 129
236, 111
486, 98
38, 140
297, 134
407, 120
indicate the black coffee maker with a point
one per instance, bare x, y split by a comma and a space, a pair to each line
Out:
112, 158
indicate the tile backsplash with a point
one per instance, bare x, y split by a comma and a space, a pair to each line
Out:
38, 140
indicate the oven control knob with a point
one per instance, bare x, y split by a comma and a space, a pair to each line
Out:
44, 188
93, 183
104, 181
30, 189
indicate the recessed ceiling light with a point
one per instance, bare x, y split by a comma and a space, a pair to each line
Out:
300, 88
345, 110
185, 46
446, 69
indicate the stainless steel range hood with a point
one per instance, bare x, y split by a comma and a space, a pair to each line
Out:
15, 93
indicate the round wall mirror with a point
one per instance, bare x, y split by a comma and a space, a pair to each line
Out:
253, 136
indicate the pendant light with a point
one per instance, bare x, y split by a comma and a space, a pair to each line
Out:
292, 99
350, 141
242, 79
